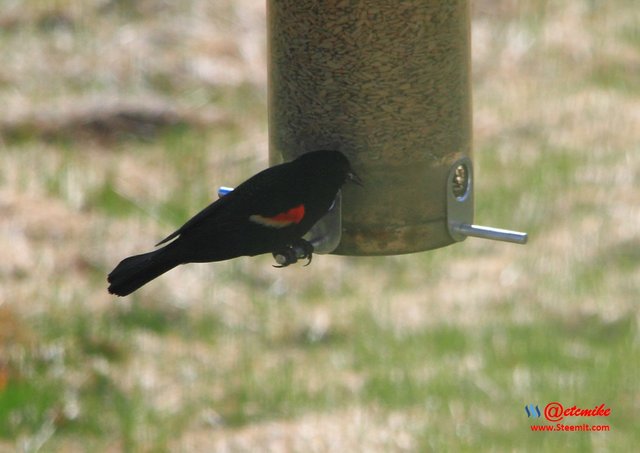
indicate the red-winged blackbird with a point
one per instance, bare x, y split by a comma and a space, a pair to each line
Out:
268, 213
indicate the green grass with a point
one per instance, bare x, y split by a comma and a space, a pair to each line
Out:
468, 384
453, 343
489, 373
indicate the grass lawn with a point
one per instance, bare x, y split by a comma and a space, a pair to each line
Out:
120, 119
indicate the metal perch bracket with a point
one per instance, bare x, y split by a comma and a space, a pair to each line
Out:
460, 208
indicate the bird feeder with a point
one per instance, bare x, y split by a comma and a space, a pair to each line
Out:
388, 84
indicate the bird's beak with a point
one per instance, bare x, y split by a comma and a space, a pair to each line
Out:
352, 177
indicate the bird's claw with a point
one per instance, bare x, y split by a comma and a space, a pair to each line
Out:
290, 254
305, 250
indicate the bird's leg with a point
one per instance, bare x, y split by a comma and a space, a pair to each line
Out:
304, 250
290, 254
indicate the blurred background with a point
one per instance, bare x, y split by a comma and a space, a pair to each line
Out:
120, 118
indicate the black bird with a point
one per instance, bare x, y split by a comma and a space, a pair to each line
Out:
268, 213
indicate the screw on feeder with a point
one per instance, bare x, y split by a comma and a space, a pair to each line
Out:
460, 181
460, 209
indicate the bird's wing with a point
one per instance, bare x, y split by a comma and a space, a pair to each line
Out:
285, 218
266, 199
208, 212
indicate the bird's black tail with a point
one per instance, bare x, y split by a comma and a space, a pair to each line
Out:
133, 272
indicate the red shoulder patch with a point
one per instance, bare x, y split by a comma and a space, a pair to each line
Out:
293, 215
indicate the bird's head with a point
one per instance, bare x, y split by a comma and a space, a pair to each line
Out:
333, 165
